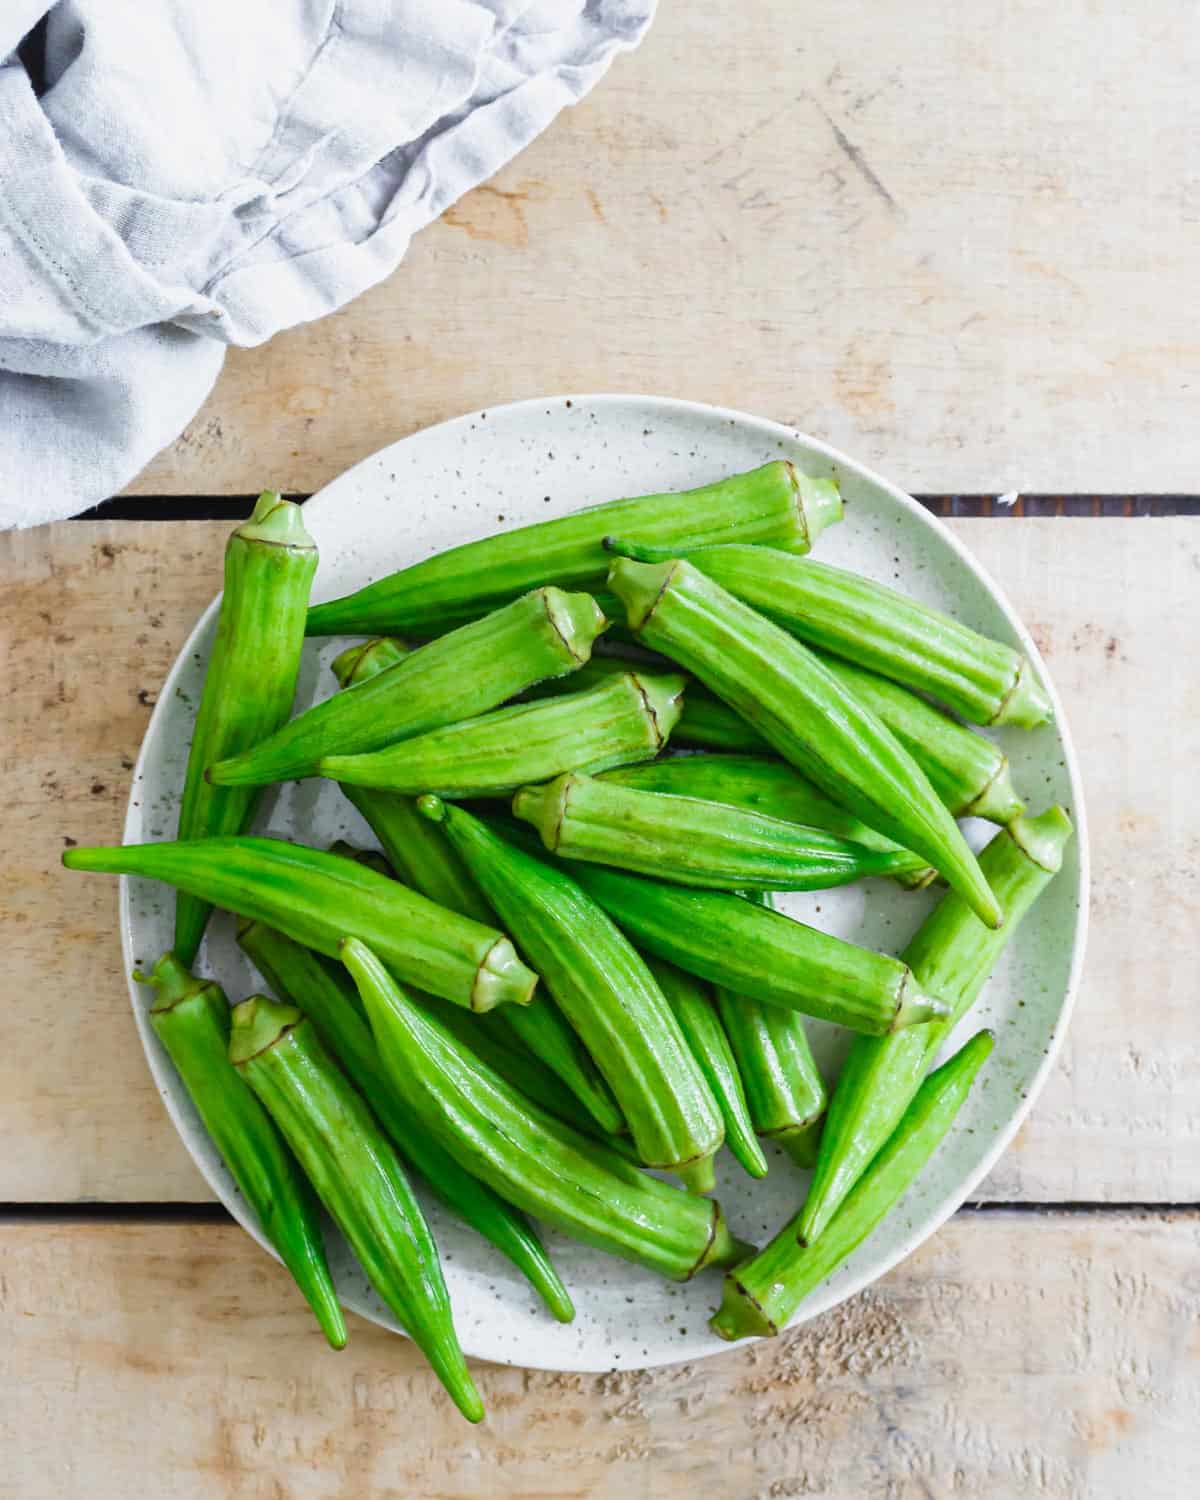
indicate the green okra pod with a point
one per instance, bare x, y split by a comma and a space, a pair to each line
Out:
357, 1176
543, 634
773, 504
625, 719
785, 1093
732, 942
319, 898
951, 954
529, 1157
762, 1294
604, 989
250, 680
760, 785
802, 709
879, 629
692, 1002
690, 842
331, 1002
190, 1017
968, 772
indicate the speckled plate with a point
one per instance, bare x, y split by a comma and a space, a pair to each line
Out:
527, 462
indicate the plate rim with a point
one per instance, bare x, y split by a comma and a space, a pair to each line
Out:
824, 1298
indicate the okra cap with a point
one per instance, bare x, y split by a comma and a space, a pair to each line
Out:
276, 521
368, 659
174, 982
256, 1024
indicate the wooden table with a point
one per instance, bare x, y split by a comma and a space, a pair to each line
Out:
952, 241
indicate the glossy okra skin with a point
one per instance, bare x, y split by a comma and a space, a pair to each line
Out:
250, 680
691, 842
529, 1157
802, 709
357, 1176
330, 1001
968, 772
695, 1010
760, 785
319, 898
879, 629
785, 1093
190, 1017
951, 954
543, 634
625, 719
603, 987
761, 1295
773, 504
745, 947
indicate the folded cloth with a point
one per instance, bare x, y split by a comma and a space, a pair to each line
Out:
193, 176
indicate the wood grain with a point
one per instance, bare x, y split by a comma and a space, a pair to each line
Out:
1016, 1356
900, 228
92, 615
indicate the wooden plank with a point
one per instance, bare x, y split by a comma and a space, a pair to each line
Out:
893, 227
92, 615
1016, 1355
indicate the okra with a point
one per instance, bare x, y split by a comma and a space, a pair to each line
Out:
319, 898
626, 719
784, 1090
692, 1002
370, 859
774, 504
544, 634
690, 842
604, 989
951, 954
968, 772
732, 942
357, 1176
760, 785
801, 708
877, 628
529, 1157
331, 1002
761, 1295
190, 1017
250, 680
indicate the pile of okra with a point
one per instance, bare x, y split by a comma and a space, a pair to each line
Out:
562, 967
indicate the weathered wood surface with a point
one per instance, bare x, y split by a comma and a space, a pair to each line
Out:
1038, 1358
918, 231
92, 614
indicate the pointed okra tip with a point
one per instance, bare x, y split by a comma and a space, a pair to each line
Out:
276, 521
172, 982
367, 659
256, 1024
639, 586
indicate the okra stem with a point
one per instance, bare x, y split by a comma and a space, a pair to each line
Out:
762, 1294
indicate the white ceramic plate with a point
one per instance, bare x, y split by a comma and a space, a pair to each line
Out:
543, 458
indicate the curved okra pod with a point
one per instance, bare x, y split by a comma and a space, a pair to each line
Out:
529, 1157
190, 1017
628, 718
250, 679
319, 898
968, 772
784, 1090
604, 989
762, 1294
696, 1013
690, 842
332, 1004
760, 785
543, 634
773, 504
357, 1176
865, 622
733, 942
802, 709
952, 955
